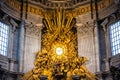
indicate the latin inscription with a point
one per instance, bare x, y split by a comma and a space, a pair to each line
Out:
81, 10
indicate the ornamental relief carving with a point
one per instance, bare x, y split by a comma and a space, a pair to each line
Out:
85, 29
32, 29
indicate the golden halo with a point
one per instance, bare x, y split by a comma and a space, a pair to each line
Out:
59, 50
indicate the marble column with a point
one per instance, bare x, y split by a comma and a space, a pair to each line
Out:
21, 46
97, 47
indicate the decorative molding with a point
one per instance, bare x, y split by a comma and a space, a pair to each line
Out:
14, 25
13, 22
113, 17
104, 23
115, 60
4, 64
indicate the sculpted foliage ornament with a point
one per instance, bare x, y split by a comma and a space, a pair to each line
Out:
59, 56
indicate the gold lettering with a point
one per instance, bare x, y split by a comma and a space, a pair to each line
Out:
37, 11
40, 12
87, 9
82, 10
79, 12
24, 8
93, 7
101, 6
17, 6
32, 10
28, 8
12, 3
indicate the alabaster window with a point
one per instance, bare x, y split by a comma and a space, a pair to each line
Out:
4, 29
115, 37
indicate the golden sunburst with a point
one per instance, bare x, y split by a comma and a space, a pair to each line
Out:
59, 51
